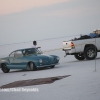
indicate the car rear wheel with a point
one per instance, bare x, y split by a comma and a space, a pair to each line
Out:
90, 53
31, 66
79, 56
4, 68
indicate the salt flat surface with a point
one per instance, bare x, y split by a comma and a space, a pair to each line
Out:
83, 84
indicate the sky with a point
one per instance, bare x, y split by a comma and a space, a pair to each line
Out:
28, 20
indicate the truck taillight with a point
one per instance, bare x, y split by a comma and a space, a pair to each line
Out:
72, 45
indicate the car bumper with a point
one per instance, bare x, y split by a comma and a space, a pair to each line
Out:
47, 65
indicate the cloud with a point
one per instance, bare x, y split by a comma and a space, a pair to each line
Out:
65, 9
69, 12
58, 8
74, 8
11, 6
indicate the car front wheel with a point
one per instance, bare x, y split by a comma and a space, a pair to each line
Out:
31, 66
4, 68
53, 66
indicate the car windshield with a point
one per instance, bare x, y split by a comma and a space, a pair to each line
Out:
31, 51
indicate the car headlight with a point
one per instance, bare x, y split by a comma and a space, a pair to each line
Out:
58, 58
40, 61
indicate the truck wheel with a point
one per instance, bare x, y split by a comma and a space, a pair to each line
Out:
4, 68
79, 56
90, 53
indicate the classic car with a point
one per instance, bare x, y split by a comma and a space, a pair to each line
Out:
28, 59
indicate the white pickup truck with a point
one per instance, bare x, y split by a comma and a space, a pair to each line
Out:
82, 48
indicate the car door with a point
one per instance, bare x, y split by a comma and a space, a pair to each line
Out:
17, 62
10, 60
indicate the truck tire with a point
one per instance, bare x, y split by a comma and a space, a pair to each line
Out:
90, 53
79, 56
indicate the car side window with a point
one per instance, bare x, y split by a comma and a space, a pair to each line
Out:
18, 54
12, 54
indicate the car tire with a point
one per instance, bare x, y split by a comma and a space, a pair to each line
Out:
4, 68
31, 66
79, 56
53, 66
90, 53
